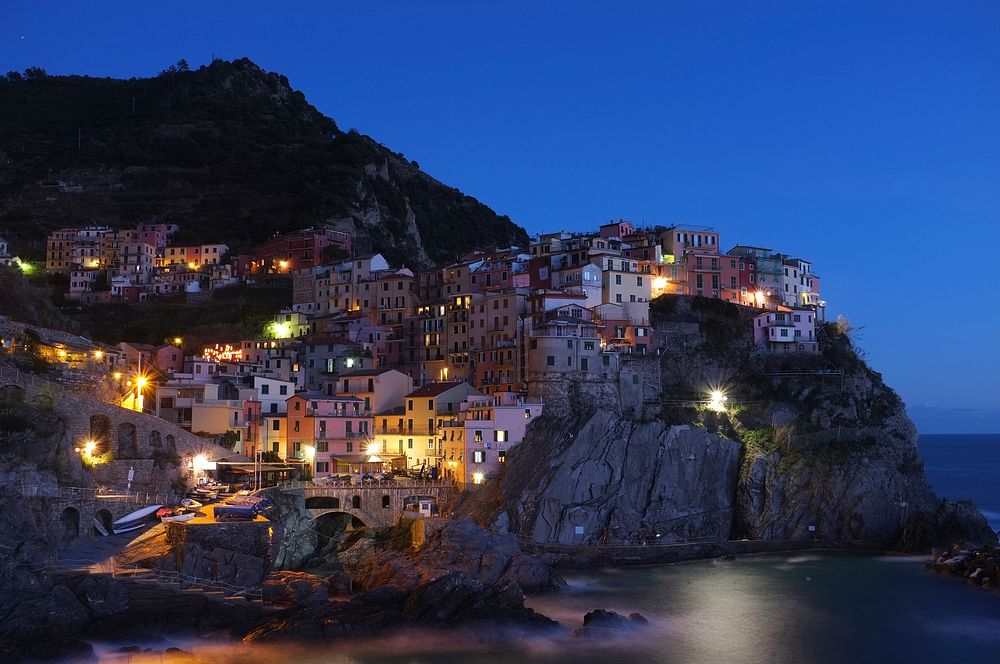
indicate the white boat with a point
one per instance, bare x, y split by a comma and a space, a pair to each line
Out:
184, 516
99, 527
134, 520
191, 503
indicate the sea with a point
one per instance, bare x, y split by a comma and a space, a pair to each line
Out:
803, 608
965, 467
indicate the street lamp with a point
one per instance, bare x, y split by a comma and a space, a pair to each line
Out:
717, 400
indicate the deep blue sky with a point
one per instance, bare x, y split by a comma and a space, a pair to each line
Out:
862, 135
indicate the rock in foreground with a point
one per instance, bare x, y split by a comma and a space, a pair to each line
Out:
601, 623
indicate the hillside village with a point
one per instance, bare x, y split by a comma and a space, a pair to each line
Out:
384, 368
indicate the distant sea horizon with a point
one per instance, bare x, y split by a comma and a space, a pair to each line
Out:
965, 467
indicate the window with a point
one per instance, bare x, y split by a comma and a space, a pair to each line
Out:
618, 280
550, 360
478, 456
265, 389
584, 364
276, 425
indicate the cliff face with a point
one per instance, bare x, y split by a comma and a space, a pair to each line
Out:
612, 479
224, 147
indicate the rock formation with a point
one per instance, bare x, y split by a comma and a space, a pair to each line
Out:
618, 480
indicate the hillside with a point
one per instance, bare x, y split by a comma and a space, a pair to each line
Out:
230, 153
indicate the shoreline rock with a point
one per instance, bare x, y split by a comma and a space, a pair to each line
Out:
601, 623
979, 566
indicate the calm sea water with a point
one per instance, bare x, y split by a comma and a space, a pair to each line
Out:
801, 609
965, 467
797, 609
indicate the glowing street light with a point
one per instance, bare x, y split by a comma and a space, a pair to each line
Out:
98, 354
280, 330
477, 478
717, 400
310, 453
178, 341
283, 264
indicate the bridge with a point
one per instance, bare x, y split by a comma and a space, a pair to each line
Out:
376, 503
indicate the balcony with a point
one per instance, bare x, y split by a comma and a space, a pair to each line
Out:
403, 431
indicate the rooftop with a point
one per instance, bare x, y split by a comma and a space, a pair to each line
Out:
434, 389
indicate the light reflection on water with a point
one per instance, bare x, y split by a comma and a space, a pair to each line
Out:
797, 609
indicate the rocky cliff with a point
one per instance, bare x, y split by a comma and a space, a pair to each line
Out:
809, 447
608, 478
222, 147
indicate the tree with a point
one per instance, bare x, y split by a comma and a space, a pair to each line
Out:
34, 73
182, 65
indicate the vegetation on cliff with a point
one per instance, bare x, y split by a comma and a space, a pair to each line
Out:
224, 147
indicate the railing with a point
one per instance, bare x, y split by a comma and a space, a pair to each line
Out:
140, 498
68, 493
396, 483
403, 431
835, 435
252, 593
29, 381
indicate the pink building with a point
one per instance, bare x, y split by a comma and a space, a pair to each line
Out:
475, 447
168, 358
332, 430
786, 331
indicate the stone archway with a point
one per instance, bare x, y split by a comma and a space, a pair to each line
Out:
100, 433
171, 444
356, 502
128, 443
69, 522
105, 518
11, 395
155, 440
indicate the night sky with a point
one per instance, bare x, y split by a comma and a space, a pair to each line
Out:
862, 135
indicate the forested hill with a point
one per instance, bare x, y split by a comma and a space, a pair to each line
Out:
230, 153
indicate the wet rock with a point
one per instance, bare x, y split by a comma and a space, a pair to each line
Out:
451, 601
295, 589
459, 546
601, 623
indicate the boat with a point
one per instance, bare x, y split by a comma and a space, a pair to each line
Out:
135, 520
99, 527
164, 511
178, 518
190, 503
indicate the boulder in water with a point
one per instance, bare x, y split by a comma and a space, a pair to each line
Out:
602, 623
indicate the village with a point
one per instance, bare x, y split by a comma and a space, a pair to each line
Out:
378, 369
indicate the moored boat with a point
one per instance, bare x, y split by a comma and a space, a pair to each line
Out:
135, 520
178, 518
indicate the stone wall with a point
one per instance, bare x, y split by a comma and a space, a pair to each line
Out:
252, 538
